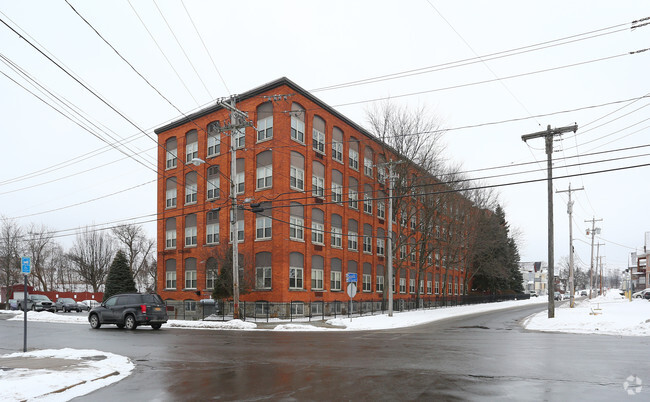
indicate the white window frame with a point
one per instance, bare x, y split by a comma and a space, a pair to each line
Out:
265, 129
238, 138
171, 159
190, 279
318, 143
411, 285
381, 174
296, 225
214, 144
402, 285
239, 228
353, 241
264, 177
297, 308
367, 203
318, 233
191, 151
429, 287
367, 167
367, 244
381, 247
353, 159
337, 151
381, 209
317, 282
240, 182
170, 279
212, 233
421, 286
191, 193
297, 130
190, 236
337, 193
353, 197
379, 285
317, 186
335, 280
336, 237
213, 185
297, 176
366, 283
296, 275
262, 275
263, 227
437, 288
210, 278
170, 198
170, 239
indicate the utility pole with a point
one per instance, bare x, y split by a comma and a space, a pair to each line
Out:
238, 121
599, 258
389, 236
593, 232
548, 135
570, 212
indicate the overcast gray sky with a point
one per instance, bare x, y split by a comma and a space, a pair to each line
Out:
56, 173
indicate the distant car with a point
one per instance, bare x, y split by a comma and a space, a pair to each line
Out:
130, 310
37, 303
533, 293
82, 306
91, 303
557, 296
583, 293
66, 305
13, 304
641, 294
646, 295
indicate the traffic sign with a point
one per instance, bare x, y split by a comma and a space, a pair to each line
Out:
352, 289
26, 265
351, 277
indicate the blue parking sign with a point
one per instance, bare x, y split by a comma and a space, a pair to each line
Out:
351, 277
26, 265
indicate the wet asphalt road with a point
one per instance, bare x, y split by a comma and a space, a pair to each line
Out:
480, 357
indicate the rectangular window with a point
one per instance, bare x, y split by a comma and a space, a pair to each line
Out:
190, 193
297, 178
264, 177
354, 159
381, 248
170, 280
455, 288
170, 197
171, 158
240, 181
295, 278
261, 308
190, 305
263, 225
413, 222
413, 254
316, 308
352, 241
367, 285
318, 186
170, 238
263, 277
297, 308
190, 236
240, 231
402, 252
214, 144
191, 151
381, 209
337, 151
213, 188
318, 141
429, 287
411, 285
337, 237
296, 229
367, 204
381, 174
337, 193
335, 280
353, 197
367, 244
212, 233
380, 284
437, 289
449, 289
297, 130
402, 285
317, 233
265, 128
190, 279
239, 138
317, 279
367, 167
210, 278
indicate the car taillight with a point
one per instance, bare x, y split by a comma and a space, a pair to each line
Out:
143, 307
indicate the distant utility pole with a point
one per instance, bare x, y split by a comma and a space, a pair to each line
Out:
238, 121
548, 135
593, 232
570, 212
599, 258
389, 235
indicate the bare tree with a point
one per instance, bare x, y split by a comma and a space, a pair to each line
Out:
92, 254
10, 250
40, 247
138, 249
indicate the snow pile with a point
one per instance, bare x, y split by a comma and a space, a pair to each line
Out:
232, 324
299, 327
93, 370
46, 316
610, 314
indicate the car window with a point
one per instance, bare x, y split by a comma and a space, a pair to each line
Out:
152, 298
111, 302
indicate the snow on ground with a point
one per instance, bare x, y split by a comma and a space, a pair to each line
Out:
89, 370
610, 314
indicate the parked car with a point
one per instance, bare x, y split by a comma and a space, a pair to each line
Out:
13, 304
36, 303
130, 310
641, 294
533, 293
66, 305
82, 306
557, 296
91, 303
583, 293
646, 296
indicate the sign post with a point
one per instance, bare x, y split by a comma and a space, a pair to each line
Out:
26, 268
351, 279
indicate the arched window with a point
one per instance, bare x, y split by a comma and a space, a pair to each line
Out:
318, 179
191, 188
212, 227
265, 121
318, 135
296, 267
170, 233
367, 238
190, 230
337, 144
337, 186
353, 154
317, 226
191, 145
297, 123
367, 277
379, 282
263, 270
170, 274
317, 265
171, 153
297, 171
367, 199
213, 182
353, 231
353, 193
211, 272
264, 170
170, 192
368, 161
190, 273
296, 222
214, 139
335, 274
240, 177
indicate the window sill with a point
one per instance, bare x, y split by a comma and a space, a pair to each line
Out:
263, 239
190, 246
296, 239
264, 188
263, 140
190, 203
297, 290
172, 207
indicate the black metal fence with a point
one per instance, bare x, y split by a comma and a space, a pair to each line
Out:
222, 310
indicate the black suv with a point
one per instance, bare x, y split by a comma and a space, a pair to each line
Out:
130, 310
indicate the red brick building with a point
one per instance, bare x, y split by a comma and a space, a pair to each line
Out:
319, 178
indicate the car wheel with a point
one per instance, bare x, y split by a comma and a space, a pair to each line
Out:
156, 326
94, 321
129, 322
78, 310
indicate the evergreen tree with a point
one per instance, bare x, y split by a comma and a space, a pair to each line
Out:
223, 287
120, 277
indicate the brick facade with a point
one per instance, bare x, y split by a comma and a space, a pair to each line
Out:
280, 195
